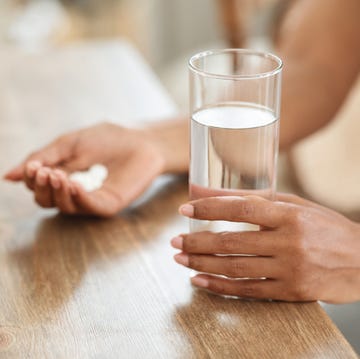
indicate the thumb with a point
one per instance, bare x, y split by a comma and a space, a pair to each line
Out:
15, 174
54, 153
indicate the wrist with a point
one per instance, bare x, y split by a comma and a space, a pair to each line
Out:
171, 139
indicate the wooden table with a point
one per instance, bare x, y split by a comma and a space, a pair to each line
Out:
91, 288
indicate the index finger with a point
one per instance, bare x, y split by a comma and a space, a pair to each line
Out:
250, 209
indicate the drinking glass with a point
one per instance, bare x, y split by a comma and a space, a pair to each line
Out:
235, 107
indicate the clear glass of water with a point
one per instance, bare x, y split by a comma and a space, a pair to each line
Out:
235, 107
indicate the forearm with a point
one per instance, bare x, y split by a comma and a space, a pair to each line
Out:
172, 137
319, 44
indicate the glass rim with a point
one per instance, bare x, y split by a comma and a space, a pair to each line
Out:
263, 54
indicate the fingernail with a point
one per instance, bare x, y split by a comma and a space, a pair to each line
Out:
177, 242
182, 258
187, 210
42, 178
200, 282
55, 182
32, 167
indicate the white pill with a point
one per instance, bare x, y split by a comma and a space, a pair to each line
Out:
92, 179
99, 171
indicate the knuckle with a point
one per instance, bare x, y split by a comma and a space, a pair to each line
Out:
298, 246
298, 268
195, 262
235, 267
300, 283
300, 278
217, 286
270, 209
240, 209
297, 218
203, 209
248, 209
227, 242
294, 216
189, 244
191, 241
300, 291
249, 291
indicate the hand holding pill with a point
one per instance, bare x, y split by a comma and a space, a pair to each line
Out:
98, 170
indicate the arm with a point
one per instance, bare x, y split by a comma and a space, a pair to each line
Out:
172, 138
304, 251
133, 157
319, 43
320, 47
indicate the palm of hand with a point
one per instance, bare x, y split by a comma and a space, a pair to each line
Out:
131, 158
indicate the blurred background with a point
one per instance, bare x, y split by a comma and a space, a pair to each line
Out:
166, 33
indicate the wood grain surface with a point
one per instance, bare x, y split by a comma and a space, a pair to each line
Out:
92, 288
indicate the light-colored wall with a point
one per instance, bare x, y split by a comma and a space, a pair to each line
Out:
180, 26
